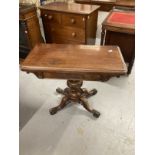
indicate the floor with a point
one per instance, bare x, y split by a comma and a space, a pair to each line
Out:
74, 131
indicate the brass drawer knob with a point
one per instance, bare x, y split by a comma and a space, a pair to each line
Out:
83, 18
72, 20
45, 15
73, 34
26, 32
50, 17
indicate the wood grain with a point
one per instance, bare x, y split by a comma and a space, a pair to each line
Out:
70, 7
107, 5
74, 61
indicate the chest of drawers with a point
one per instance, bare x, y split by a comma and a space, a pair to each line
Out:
69, 23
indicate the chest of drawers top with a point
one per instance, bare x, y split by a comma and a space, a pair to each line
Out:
82, 9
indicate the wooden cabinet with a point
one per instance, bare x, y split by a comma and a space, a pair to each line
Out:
69, 23
119, 29
29, 29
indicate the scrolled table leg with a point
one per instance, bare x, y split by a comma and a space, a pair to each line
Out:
87, 93
60, 91
63, 103
85, 104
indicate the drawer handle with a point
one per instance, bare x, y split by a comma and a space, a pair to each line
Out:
72, 20
26, 32
50, 17
45, 15
73, 34
83, 18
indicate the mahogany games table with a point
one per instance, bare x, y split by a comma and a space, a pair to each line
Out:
75, 63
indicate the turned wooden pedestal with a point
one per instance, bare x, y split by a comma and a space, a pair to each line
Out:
75, 63
75, 93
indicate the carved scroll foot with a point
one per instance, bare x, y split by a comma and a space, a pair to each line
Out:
53, 110
95, 113
85, 104
63, 103
88, 94
60, 91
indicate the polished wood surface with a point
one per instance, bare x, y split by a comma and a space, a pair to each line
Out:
73, 20
122, 35
70, 8
107, 5
29, 15
98, 2
125, 3
64, 23
69, 33
75, 61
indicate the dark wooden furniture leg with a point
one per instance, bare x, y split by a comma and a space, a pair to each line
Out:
131, 64
102, 36
75, 93
85, 104
63, 103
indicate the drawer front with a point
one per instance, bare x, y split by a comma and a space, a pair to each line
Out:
51, 17
68, 33
59, 40
73, 20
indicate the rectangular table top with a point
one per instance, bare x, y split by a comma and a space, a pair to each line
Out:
75, 59
70, 7
121, 21
122, 18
